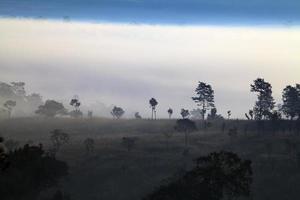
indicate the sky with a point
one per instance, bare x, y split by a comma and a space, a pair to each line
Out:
125, 52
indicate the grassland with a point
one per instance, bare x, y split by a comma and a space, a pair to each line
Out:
112, 172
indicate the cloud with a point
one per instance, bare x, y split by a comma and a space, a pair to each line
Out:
126, 64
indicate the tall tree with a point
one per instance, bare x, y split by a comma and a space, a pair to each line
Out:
170, 112
205, 97
265, 102
291, 101
153, 103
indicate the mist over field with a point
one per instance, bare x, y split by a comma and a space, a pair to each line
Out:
149, 100
127, 64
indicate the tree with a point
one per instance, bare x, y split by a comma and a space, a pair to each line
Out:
153, 103
170, 112
28, 172
11, 144
137, 115
90, 114
186, 126
9, 105
219, 175
249, 115
58, 139
228, 114
76, 104
213, 115
51, 108
19, 88
184, 113
291, 101
265, 102
129, 142
117, 112
204, 98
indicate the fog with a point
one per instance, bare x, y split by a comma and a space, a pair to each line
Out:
127, 64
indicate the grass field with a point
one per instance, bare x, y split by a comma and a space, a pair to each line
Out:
112, 172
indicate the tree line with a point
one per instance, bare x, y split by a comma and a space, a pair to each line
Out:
263, 109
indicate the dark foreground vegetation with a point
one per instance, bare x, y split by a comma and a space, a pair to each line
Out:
95, 158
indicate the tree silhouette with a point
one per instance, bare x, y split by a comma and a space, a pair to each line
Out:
153, 103
58, 139
251, 113
204, 98
76, 104
51, 108
29, 171
9, 105
265, 102
137, 115
11, 144
117, 112
184, 113
228, 114
291, 101
220, 175
185, 126
170, 112
129, 142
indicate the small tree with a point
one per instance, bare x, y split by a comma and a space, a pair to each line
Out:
170, 112
9, 105
251, 114
204, 98
89, 144
153, 103
228, 114
185, 126
11, 144
90, 114
184, 113
117, 112
137, 115
129, 142
58, 139
51, 108
76, 104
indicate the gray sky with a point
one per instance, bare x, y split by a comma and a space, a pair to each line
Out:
126, 64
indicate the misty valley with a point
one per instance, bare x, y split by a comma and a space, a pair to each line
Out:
49, 151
